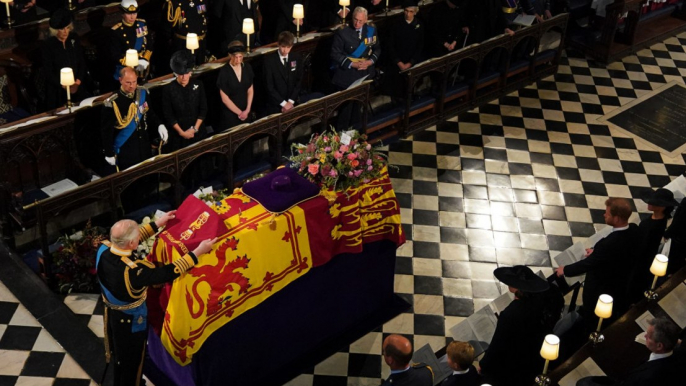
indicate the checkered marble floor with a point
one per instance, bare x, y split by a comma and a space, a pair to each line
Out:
513, 182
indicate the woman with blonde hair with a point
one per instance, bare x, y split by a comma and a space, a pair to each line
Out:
235, 83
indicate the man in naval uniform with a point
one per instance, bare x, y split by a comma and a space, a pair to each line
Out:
354, 52
397, 353
130, 33
124, 281
125, 121
184, 17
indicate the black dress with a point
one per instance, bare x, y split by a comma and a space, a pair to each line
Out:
236, 90
651, 232
184, 106
56, 56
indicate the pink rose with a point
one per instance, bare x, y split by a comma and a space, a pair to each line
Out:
368, 147
313, 169
343, 148
369, 161
337, 155
333, 173
310, 148
358, 172
352, 156
366, 180
370, 167
327, 149
350, 174
326, 139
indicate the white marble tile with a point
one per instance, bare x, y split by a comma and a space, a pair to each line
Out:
45, 342
12, 361
336, 364
368, 344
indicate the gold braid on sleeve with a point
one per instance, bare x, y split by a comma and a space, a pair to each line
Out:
183, 264
130, 115
173, 15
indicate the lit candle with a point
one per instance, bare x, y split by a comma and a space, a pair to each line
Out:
66, 80
248, 29
192, 42
131, 59
298, 14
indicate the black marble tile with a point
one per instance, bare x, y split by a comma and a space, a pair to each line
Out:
589, 108
450, 176
520, 169
556, 126
675, 170
364, 365
598, 216
551, 212
606, 100
633, 167
499, 180
473, 164
454, 269
453, 235
624, 143
581, 139
407, 230
424, 217
625, 92
404, 199
450, 204
528, 112
401, 146
575, 200
495, 154
581, 229
7, 310
599, 130
426, 249
586, 89
500, 194
428, 285
425, 136
658, 181
541, 158
42, 364
409, 299
403, 265
604, 152
568, 173
482, 254
616, 178
559, 243
531, 226
8, 380
569, 96
594, 188
471, 140
561, 148
516, 144
400, 171
458, 306
426, 188
512, 121
475, 191
528, 196
648, 156
424, 160
19, 338
551, 105
547, 184
448, 149
587, 163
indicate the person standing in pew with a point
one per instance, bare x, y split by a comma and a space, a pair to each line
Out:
406, 47
62, 49
448, 27
283, 74
397, 353
608, 265
126, 119
513, 359
231, 14
184, 17
184, 104
235, 83
460, 357
130, 33
665, 366
486, 19
124, 280
354, 53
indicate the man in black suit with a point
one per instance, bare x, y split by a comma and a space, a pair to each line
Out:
231, 14
397, 353
664, 366
609, 264
460, 357
283, 76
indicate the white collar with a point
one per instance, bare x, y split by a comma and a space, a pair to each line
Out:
654, 357
621, 229
281, 58
455, 372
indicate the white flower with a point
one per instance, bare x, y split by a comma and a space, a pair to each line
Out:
146, 220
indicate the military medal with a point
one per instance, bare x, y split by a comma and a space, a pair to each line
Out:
192, 4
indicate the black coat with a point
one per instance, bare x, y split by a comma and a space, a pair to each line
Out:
651, 232
57, 56
607, 271
282, 82
418, 375
345, 42
664, 372
407, 42
513, 357
231, 13
183, 106
445, 26
471, 378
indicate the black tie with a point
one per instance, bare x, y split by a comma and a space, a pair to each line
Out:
284, 61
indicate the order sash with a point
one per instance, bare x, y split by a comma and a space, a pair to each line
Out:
126, 132
362, 48
139, 314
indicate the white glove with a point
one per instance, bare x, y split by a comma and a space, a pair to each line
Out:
164, 134
143, 64
111, 160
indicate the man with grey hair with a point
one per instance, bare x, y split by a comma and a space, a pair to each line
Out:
664, 367
124, 281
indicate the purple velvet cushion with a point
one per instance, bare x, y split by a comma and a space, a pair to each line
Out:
280, 190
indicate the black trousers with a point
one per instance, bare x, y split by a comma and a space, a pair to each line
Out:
127, 348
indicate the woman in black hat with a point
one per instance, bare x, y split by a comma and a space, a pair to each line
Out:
62, 49
661, 202
184, 103
513, 359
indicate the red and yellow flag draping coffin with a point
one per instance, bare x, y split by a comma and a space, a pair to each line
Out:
257, 255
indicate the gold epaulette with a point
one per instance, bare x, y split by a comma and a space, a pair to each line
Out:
146, 55
107, 243
116, 26
141, 20
183, 264
109, 101
128, 262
